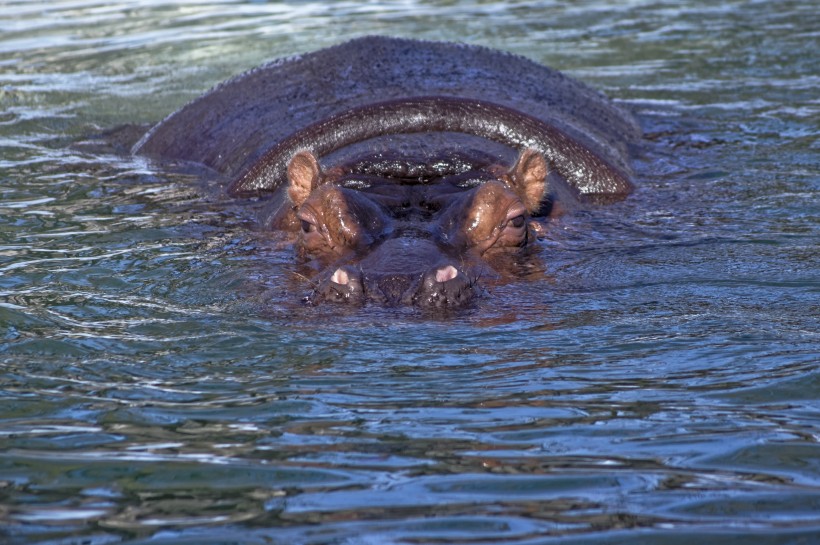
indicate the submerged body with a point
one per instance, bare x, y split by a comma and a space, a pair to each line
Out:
407, 169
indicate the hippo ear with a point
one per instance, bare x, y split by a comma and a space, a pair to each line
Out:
528, 178
304, 175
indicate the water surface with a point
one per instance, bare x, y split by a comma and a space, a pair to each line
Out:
656, 381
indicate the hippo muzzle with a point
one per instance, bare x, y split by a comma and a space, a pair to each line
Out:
401, 272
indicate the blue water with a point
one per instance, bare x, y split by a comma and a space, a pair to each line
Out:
656, 381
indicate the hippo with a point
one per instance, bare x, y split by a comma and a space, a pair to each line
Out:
407, 171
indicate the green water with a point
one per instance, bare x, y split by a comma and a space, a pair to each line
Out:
657, 382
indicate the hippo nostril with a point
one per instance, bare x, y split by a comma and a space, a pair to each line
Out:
343, 286
444, 287
446, 273
340, 277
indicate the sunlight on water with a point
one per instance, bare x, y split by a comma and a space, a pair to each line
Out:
654, 380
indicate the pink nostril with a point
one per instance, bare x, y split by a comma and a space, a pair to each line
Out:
340, 277
446, 273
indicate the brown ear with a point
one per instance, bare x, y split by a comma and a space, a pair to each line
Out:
528, 178
304, 175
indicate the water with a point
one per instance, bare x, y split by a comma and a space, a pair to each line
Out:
656, 382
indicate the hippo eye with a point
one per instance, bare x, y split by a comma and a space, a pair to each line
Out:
517, 222
307, 227
514, 232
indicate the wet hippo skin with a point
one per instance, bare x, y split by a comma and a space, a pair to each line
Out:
405, 168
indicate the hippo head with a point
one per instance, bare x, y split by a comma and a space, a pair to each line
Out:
421, 242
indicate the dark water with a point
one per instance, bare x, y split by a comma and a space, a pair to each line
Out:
656, 382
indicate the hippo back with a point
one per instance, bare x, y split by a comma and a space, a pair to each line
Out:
231, 126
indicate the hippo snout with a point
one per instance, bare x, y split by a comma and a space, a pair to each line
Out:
440, 287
